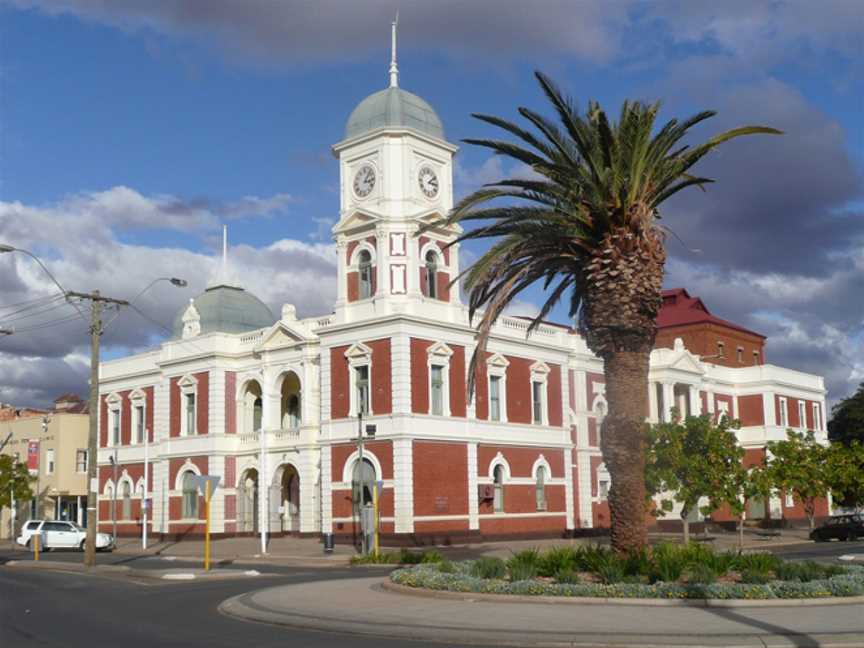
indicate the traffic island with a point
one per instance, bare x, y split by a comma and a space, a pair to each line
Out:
363, 606
179, 574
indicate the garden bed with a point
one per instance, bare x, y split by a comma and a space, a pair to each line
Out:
664, 572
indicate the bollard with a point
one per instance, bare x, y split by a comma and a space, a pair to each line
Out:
328, 543
35, 546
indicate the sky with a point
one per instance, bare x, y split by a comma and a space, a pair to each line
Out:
132, 130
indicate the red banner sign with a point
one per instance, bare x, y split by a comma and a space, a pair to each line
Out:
33, 456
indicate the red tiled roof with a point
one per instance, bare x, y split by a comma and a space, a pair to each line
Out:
679, 309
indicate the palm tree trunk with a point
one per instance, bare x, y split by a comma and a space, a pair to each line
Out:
623, 446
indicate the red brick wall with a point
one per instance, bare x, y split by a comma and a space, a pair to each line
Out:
457, 382
593, 437
202, 421
174, 408
419, 376
382, 389
440, 478
571, 388
703, 398
230, 472
149, 415
592, 378
595, 464
519, 390
481, 391
230, 402
750, 410
502, 526
383, 451
340, 399
353, 286
553, 395
175, 465
125, 418
443, 280
103, 422
344, 507
702, 339
725, 398
521, 460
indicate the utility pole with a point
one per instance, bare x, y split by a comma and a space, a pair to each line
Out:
96, 302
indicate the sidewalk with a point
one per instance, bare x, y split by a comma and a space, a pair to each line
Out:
359, 606
309, 552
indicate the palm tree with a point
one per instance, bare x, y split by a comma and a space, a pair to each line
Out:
586, 225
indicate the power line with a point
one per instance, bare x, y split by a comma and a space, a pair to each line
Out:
30, 301
33, 306
43, 325
41, 310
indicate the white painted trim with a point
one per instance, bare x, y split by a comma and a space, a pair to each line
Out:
178, 478
497, 460
348, 468
535, 514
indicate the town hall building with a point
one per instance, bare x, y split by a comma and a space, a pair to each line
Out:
271, 403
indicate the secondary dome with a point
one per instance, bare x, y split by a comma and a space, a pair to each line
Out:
397, 108
225, 309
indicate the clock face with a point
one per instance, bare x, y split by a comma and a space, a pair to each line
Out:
428, 182
364, 181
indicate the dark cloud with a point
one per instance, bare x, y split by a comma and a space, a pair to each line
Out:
781, 203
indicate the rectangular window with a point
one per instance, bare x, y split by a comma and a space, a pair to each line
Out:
537, 401
437, 382
755, 357
802, 415
49, 457
115, 427
790, 500
81, 461
817, 419
721, 349
740, 354
362, 378
784, 413
495, 398
139, 424
190, 414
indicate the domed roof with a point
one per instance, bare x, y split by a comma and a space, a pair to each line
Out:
226, 309
394, 107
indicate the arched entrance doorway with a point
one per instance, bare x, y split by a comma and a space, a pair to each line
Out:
247, 502
288, 492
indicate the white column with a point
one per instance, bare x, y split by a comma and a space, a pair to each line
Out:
709, 397
216, 467
326, 490
310, 489
769, 411
400, 366
473, 503
584, 474
695, 401
568, 487
652, 402
668, 400
403, 486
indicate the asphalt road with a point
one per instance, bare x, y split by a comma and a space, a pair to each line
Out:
48, 609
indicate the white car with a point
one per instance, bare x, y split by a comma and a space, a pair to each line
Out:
59, 534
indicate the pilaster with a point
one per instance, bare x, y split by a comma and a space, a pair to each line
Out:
473, 503
403, 478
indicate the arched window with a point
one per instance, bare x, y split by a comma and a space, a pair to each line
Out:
498, 499
540, 488
362, 480
431, 275
257, 414
365, 268
127, 502
600, 414
293, 411
190, 496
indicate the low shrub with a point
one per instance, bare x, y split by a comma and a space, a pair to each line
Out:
755, 577
446, 567
760, 561
465, 579
520, 571
702, 574
567, 576
558, 559
432, 556
489, 567
401, 557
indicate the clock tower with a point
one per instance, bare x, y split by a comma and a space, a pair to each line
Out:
396, 175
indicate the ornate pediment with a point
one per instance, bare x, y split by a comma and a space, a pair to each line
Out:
284, 335
358, 219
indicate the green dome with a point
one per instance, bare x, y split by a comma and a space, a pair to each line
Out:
393, 107
227, 309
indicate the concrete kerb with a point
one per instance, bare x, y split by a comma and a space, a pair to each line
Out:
361, 607
146, 574
472, 597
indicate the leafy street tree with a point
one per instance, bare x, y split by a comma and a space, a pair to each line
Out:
847, 418
586, 224
749, 483
15, 481
846, 473
694, 460
799, 465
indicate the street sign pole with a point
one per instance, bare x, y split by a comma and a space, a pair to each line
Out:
144, 502
375, 519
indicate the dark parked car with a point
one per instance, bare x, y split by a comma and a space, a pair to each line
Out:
842, 527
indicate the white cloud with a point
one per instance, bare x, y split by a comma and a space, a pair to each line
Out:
86, 250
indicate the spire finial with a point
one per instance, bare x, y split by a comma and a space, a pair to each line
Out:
394, 70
